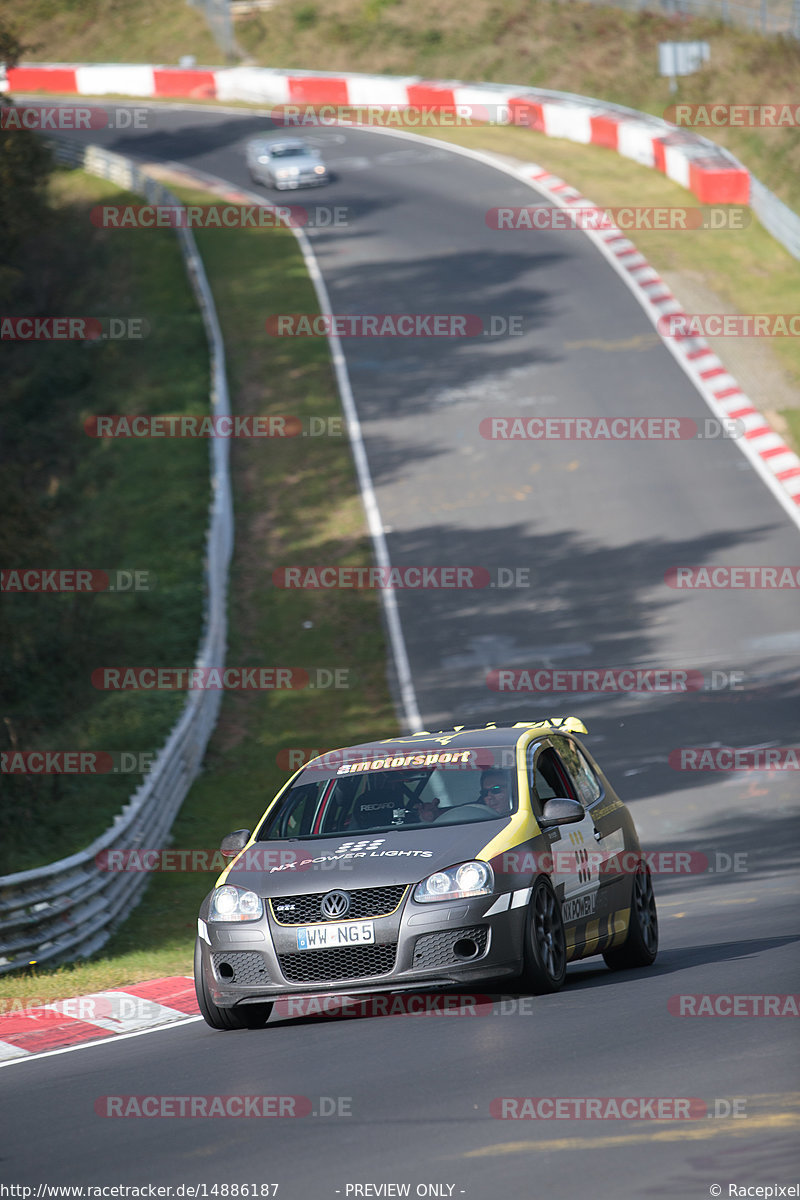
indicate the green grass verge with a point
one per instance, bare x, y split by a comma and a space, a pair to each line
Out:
77, 501
296, 501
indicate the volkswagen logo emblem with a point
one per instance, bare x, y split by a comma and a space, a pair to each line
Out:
335, 904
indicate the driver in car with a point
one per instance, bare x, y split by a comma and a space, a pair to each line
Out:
495, 791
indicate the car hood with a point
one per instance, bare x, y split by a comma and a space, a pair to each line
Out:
286, 868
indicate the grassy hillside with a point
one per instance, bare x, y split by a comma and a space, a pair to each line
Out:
109, 30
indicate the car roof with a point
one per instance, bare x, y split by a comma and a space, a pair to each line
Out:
274, 141
474, 737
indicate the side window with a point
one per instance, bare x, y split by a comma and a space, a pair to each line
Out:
299, 814
586, 784
547, 777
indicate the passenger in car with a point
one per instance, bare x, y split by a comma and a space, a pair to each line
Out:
424, 811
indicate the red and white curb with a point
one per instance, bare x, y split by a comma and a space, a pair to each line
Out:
775, 462
695, 162
30, 1029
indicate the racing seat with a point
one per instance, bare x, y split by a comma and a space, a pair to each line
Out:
373, 809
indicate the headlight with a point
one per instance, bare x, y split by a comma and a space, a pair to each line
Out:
234, 904
320, 170
263, 158
457, 883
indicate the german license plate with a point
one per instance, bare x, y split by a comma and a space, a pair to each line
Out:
342, 933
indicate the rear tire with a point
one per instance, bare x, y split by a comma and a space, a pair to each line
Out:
250, 1016
545, 951
641, 945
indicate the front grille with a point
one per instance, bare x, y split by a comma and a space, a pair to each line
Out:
248, 967
436, 949
365, 902
344, 962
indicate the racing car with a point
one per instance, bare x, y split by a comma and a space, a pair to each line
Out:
425, 862
285, 163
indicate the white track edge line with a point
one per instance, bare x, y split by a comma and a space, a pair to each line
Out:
405, 682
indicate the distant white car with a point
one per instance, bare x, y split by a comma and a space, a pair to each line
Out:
285, 163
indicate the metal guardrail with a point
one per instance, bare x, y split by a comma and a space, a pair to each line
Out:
776, 217
69, 908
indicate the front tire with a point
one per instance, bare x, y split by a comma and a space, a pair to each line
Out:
251, 1016
545, 952
641, 945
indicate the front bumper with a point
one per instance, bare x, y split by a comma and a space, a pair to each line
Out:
418, 946
286, 185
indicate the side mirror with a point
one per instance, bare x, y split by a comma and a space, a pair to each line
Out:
234, 842
561, 811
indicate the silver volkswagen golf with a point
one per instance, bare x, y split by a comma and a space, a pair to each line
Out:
424, 862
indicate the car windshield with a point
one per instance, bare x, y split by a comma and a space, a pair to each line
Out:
289, 152
368, 798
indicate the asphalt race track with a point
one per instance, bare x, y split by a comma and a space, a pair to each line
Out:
597, 525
